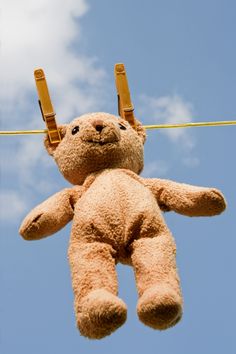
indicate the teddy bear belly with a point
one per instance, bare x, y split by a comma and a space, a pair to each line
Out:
116, 209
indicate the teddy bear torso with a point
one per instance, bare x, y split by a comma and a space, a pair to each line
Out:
116, 208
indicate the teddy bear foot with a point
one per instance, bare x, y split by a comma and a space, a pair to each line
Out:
100, 313
160, 307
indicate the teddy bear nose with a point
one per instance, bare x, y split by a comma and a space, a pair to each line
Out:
98, 125
99, 128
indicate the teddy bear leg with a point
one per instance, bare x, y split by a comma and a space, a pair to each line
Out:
160, 300
98, 310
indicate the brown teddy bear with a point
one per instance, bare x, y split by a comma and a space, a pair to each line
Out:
116, 218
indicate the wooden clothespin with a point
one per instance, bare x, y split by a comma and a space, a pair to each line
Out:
125, 106
46, 107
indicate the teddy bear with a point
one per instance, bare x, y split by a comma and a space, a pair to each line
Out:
117, 217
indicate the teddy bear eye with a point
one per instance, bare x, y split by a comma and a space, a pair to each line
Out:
75, 130
122, 127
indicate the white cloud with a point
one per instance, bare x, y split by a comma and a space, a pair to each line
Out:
168, 110
41, 34
13, 205
155, 168
30, 159
191, 161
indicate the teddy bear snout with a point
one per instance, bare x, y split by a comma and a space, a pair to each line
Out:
102, 131
98, 124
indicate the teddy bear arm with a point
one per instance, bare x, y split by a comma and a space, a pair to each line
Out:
186, 199
49, 216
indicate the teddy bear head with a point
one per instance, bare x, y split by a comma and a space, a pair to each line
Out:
95, 142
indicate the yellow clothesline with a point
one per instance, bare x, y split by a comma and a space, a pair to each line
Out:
154, 126
22, 132
191, 125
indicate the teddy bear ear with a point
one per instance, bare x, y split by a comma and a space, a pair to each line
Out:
52, 147
140, 130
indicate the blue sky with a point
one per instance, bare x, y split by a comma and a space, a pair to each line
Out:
180, 58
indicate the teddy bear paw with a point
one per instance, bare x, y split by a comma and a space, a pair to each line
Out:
100, 313
160, 307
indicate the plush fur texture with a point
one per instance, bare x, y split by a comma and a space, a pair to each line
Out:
116, 218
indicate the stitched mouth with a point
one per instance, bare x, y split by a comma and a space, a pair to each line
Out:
98, 142
101, 142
